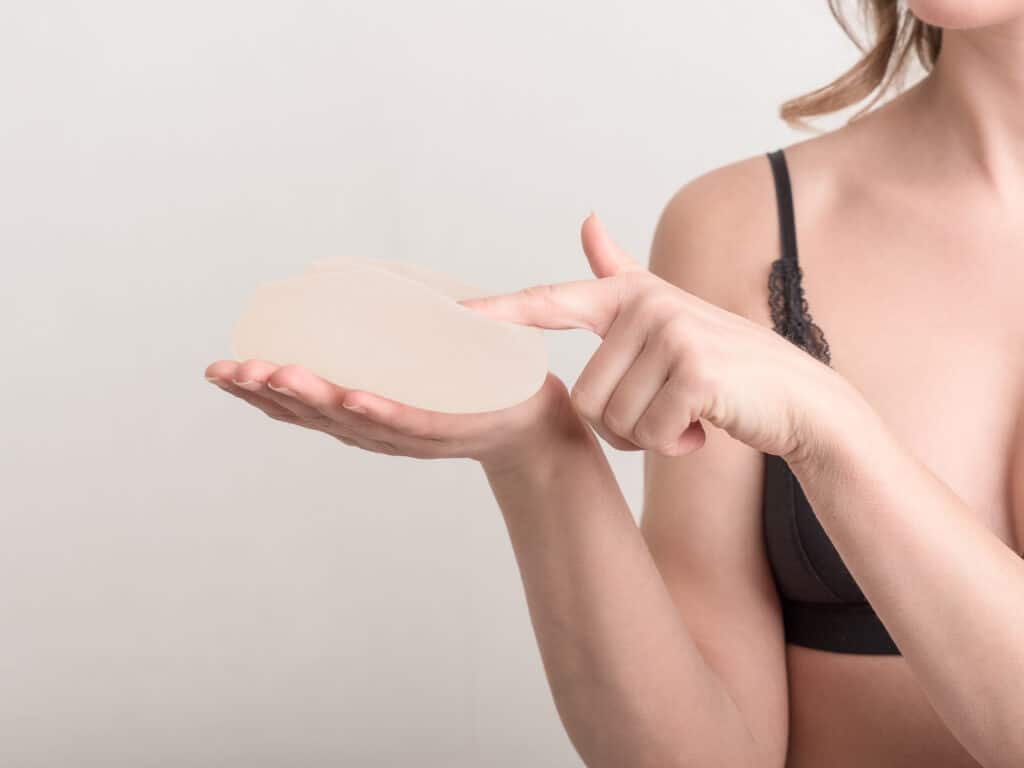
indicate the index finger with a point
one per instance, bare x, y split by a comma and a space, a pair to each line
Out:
589, 304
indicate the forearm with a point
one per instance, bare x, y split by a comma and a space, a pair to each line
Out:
628, 680
949, 591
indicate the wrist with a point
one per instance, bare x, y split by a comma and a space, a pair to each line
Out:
556, 430
841, 419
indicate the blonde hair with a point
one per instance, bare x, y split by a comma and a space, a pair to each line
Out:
894, 32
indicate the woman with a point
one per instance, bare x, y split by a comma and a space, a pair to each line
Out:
826, 571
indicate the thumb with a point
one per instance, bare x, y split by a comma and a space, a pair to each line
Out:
605, 256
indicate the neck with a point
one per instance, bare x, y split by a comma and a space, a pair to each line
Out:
972, 104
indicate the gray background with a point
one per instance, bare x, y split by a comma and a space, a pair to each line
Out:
184, 582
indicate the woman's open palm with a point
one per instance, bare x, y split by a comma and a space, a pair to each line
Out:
293, 394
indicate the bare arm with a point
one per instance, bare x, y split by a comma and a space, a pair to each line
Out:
949, 591
628, 679
662, 646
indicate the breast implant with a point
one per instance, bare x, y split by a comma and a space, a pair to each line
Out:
396, 329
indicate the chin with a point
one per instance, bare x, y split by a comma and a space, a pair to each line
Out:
966, 14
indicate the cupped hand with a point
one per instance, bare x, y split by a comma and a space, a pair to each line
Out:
669, 359
498, 439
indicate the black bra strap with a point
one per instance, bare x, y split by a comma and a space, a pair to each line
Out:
784, 200
790, 315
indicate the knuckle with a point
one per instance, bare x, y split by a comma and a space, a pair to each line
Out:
658, 306
680, 328
645, 433
626, 288
583, 404
680, 390
611, 438
670, 341
702, 373
678, 385
692, 360
646, 311
617, 422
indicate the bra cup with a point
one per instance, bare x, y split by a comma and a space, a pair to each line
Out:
824, 558
794, 571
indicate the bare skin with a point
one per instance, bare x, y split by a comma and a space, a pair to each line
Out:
663, 647
910, 226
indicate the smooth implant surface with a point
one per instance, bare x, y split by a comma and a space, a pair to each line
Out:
394, 329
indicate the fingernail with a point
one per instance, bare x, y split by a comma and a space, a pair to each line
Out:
354, 407
250, 385
282, 390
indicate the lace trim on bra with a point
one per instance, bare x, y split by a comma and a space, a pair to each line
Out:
789, 309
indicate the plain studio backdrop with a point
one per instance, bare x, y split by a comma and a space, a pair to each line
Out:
185, 582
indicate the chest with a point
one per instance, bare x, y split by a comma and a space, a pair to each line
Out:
925, 317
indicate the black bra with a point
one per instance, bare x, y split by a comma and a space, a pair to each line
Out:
822, 605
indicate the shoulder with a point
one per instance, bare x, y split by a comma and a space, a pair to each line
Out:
718, 232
